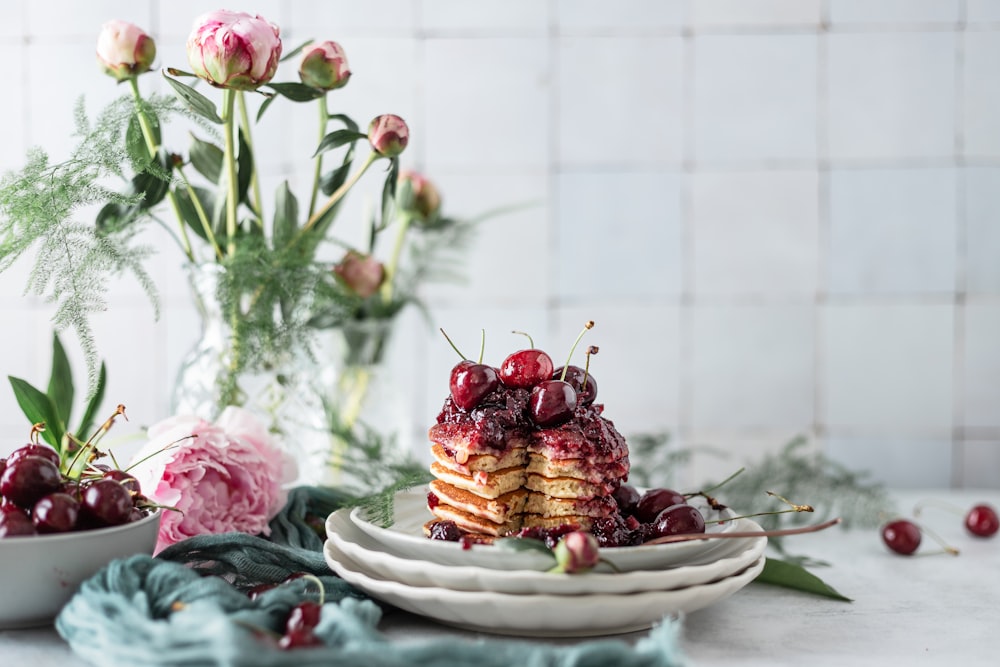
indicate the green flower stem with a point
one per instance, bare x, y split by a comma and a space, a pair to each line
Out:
147, 133
335, 197
202, 215
393, 266
324, 117
228, 127
254, 181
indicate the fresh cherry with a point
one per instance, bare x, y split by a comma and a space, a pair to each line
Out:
526, 368
586, 391
130, 483
552, 402
27, 479
14, 523
471, 382
33, 449
677, 520
302, 638
55, 513
982, 521
304, 616
627, 498
654, 501
901, 536
106, 503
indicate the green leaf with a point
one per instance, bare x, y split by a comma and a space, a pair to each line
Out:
264, 105
338, 138
296, 51
244, 170
207, 158
93, 405
296, 92
389, 190
286, 216
152, 186
523, 544
38, 407
188, 211
61, 390
789, 575
197, 102
346, 120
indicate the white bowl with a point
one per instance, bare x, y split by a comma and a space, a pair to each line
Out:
39, 574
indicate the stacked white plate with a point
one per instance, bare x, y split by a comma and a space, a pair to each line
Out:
493, 589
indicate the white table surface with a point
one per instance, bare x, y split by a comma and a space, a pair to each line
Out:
918, 610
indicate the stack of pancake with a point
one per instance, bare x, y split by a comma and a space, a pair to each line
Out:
540, 479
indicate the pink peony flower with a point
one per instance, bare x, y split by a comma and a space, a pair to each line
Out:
324, 66
388, 135
426, 198
234, 49
228, 477
362, 274
124, 50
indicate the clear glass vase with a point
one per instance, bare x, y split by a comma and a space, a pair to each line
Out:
331, 403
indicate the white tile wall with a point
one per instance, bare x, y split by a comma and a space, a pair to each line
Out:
780, 213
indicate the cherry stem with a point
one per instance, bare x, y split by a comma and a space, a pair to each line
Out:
482, 344
712, 502
796, 508
173, 445
450, 342
592, 350
937, 503
531, 341
937, 538
586, 327
319, 584
687, 537
36, 429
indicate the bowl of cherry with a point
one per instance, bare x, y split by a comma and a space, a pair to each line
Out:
56, 530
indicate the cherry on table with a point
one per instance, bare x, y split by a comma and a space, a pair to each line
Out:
901, 536
471, 382
526, 368
106, 503
654, 501
552, 402
982, 521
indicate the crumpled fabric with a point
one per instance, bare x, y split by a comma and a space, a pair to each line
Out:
189, 607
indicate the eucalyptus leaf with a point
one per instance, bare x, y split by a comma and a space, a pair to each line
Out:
789, 575
338, 138
197, 102
207, 158
296, 92
38, 407
93, 405
61, 390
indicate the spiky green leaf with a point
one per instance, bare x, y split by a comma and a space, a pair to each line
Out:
61, 390
196, 102
338, 138
789, 575
38, 408
93, 405
296, 92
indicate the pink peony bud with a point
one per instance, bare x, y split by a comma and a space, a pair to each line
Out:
234, 49
124, 50
324, 66
576, 552
388, 135
362, 274
426, 198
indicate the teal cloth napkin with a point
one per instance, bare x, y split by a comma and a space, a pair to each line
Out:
188, 606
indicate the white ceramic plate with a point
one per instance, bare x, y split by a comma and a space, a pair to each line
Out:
349, 540
539, 615
405, 537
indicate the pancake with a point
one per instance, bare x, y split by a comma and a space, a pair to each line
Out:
482, 484
539, 503
471, 523
515, 456
578, 468
569, 487
538, 521
496, 510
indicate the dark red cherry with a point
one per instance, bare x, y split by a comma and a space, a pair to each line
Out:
677, 520
901, 536
27, 479
43, 451
55, 513
304, 615
552, 402
655, 501
526, 368
471, 382
3, 465
627, 498
982, 521
303, 638
575, 375
130, 483
14, 522
106, 503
